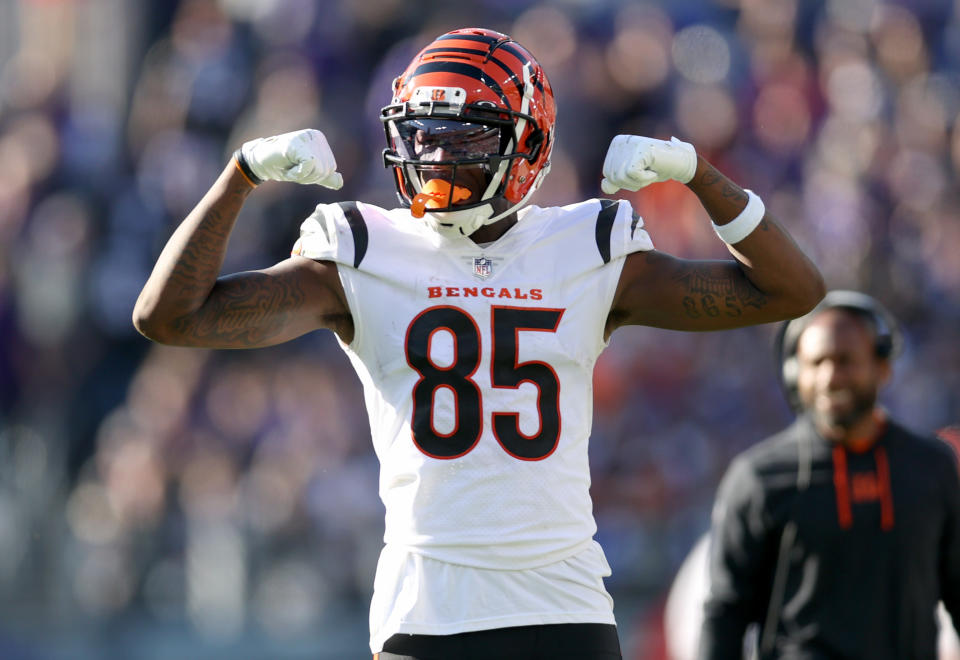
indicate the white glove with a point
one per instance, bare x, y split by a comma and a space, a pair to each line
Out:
300, 156
633, 162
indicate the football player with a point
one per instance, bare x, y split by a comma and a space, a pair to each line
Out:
474, 320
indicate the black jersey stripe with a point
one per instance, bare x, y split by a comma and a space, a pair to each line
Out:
633, 224
464, 70
359, 228
608, 213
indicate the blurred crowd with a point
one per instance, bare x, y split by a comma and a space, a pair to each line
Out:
227, 501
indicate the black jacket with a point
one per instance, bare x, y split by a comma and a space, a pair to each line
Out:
877, 544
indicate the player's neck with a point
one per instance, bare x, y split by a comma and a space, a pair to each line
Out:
490, 233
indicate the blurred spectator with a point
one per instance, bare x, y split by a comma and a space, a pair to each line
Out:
838, 535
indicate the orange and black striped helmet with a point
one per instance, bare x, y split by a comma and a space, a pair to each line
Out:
488, 104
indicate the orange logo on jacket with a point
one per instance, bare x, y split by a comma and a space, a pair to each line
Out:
864, 487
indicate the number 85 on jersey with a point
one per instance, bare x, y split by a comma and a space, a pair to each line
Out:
508, 326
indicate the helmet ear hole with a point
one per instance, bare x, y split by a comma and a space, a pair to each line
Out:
534, 143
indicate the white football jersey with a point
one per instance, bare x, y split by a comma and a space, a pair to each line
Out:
477, 369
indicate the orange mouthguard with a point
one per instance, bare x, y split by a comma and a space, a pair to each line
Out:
435, 195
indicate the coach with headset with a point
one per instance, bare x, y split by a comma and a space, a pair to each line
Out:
837, 536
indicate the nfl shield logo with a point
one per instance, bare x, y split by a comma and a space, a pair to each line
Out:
482, 267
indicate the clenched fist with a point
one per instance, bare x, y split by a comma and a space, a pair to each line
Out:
634, 162
300, 156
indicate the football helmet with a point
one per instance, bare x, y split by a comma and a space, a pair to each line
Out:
469, 130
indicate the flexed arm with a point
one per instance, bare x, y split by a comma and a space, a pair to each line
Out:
184, 301
770, 278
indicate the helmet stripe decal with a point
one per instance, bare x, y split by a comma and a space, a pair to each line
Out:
525, 60
513, 50
464, 70
498, 62
451, 49
482, 38
513, 76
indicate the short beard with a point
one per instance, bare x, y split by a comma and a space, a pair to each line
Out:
863, 404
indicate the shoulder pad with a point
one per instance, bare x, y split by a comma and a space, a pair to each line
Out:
619, 231
334, 232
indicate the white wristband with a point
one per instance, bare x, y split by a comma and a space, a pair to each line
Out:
740, 227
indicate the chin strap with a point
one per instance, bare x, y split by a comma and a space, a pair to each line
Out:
460, 223
485, 213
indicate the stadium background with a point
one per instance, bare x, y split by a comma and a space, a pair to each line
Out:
159, 502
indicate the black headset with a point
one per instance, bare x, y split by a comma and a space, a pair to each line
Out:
889, 338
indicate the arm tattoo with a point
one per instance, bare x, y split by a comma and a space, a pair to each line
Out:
728, 190
202, 256
712, 293
244, 310
734, 193
709, 177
